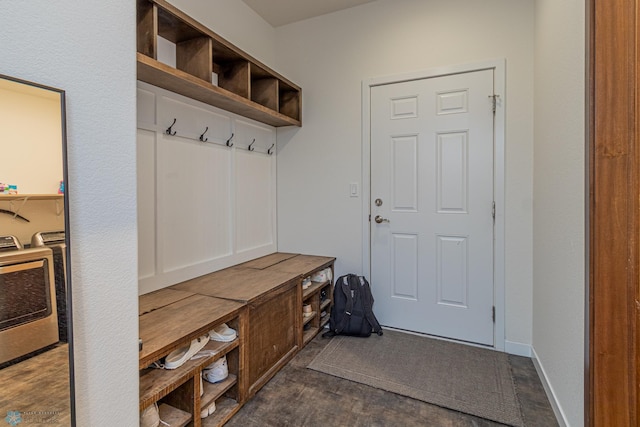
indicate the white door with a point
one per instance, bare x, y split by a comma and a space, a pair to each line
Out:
432, 194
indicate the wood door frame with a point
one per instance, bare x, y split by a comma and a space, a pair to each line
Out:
612, 371
499, 67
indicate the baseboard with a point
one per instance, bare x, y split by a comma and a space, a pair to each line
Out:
517, 348
557, 409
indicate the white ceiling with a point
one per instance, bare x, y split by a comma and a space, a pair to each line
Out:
281, 12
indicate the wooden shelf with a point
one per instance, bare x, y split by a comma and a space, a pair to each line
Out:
315, 287
306, 320
10, 197
245, 86
157, 383
324, 320
166, 77
324, 304
174, 416
225, 409
172, 326
214, 391
309, 334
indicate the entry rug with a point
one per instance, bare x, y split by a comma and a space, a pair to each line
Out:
468, 379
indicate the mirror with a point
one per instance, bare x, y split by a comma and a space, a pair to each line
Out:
35, 326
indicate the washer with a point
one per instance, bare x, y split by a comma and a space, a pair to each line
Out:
56, 241
28, 316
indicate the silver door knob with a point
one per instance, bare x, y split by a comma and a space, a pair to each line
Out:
380, 220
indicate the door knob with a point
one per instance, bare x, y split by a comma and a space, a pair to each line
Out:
380, 220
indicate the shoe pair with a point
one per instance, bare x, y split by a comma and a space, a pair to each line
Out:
323, 275
306, 310
223, 333
217, 371
179, 357
150, 416
209, 410
306, 283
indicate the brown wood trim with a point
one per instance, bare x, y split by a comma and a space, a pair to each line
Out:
614, 281
635, 311
166, 77
589, 206
146, 28
634, 194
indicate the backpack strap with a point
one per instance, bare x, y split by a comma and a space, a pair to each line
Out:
349, 306
367, 300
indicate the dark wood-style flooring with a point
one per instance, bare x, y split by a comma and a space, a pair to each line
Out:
298, 396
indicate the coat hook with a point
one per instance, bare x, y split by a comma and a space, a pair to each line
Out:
250, 145
202, 138
168, 131
269, 152
229, 140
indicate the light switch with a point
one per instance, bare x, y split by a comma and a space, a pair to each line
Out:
353, 189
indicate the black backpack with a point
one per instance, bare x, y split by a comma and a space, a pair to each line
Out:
352, 310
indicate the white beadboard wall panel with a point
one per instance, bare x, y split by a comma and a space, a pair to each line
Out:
194, 202
206, 205
254, 226
146, 167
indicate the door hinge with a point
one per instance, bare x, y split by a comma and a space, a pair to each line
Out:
494, 102
493, 314
369, 217
493, 212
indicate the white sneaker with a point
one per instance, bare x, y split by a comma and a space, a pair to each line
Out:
306, 310
306, 283
329, 273
150, 417
205, 412
217, 371
320, 276
223, 333
178, 357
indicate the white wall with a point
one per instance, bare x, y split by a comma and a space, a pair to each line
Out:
88, 49
559, 174
331, 55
